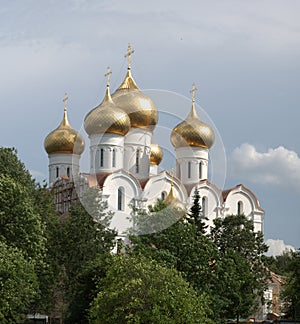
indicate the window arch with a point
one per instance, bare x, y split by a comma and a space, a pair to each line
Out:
240, 208
200, 170
137, 161
204, 206
163, 195
101, 157
114, 158
189, 169
121, 198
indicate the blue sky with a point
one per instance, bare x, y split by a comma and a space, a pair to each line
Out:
242, 55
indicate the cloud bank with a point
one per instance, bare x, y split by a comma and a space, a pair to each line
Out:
277, 167
277, 247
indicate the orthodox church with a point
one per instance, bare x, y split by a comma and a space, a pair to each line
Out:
124, 161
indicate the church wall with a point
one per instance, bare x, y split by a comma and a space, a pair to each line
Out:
63, 162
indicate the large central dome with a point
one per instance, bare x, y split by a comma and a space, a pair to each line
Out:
139, 107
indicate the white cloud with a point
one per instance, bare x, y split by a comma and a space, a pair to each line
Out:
277, 247
278, 167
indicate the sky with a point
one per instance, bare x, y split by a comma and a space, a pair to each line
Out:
242, 55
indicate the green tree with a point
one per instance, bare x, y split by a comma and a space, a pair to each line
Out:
196, 216
291, 292
18, 284
180, 246
235, 238
85, 238
139, 290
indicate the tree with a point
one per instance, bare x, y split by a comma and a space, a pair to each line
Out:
180, 246
85, 237
291, 292
235, 238
196, 216
18, 284
139, 290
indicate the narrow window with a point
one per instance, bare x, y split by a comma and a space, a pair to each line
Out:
57, 172
240, 208
200, 170
189, 170
163, 195
121, 198
204, 206
137, 161
114, 158
101, 157
68, 172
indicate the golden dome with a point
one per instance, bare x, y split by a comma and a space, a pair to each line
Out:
107, 118
139, 107
192, 131
173, 201
64, 139
156, 154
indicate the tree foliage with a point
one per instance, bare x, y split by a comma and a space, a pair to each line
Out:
291, 292
18, 284
139, 290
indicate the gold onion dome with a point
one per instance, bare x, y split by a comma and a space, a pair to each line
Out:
192, 131
139, 107
107, 117
156, 154
64, 139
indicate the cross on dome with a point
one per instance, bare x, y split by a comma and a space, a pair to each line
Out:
192, 91
107, 75
128, 54
65, 100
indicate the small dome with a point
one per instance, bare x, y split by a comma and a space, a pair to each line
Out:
107, 118
156, 154
192, 132
64, 139
173, 201
139, 107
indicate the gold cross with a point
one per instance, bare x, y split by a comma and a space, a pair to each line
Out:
107, 75
128, 54
192, 91
65, 100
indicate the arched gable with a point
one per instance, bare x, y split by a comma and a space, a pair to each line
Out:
161, 183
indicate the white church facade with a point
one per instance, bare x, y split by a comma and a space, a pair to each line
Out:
124, 161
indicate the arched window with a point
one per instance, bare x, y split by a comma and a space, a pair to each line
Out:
137, 161
57, 172
120, 198
101, 157
200, 170
189, 170
163, 195
204, 206
68, 172
114, 158
240, 208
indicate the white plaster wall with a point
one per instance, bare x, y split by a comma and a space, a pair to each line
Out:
249, 207
138, 139
63, 162
153, 169
107, 142
121, 219
194, 156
